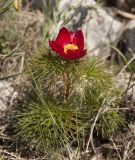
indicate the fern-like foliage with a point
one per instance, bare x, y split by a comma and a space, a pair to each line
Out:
68, 96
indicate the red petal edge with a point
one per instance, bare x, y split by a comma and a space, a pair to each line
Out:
63, 36
56, 47
79, 39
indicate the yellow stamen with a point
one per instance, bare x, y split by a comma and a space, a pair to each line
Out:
70, 47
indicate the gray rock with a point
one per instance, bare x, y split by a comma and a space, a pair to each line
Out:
7, 95
128, 5
101, 30
65, 5
128, 38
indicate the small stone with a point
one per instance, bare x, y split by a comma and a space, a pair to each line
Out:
7, 93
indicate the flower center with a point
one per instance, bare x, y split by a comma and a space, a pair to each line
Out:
70, 47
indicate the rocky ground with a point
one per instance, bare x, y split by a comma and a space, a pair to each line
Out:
109, 30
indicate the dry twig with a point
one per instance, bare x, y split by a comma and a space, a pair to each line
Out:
125, 14
90, 140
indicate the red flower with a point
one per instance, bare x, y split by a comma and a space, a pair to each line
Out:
69, 45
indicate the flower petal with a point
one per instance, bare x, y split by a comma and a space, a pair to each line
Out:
56, 47
72, 55
63, 36
71, 39
71, 36
79, 39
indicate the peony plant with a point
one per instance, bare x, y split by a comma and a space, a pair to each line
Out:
68, 91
